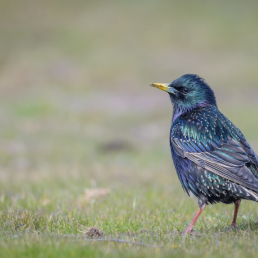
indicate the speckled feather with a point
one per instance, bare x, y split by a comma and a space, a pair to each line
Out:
211, 155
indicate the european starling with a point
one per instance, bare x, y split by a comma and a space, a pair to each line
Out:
212, 158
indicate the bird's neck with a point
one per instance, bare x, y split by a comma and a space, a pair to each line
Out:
179, 110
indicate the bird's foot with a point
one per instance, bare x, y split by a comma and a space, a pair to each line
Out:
233, 226
191, 232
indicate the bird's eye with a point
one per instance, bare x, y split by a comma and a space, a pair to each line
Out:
185, 90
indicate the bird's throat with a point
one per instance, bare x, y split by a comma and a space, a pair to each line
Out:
179, 110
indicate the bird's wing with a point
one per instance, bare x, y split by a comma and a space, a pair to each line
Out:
227, 157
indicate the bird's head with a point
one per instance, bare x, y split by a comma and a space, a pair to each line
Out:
188, 92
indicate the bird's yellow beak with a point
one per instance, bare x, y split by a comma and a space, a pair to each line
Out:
161, 86
165, 87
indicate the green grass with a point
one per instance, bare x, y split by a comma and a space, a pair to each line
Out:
77, 114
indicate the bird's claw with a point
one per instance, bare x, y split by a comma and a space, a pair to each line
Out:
191, 232
233, 227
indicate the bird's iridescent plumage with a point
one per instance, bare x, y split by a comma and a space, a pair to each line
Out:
212, 158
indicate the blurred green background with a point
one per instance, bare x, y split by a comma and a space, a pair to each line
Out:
76, 109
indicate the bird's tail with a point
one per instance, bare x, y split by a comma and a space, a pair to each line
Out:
255, 195
243, 193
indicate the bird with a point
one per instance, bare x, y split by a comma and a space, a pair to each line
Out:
212, 158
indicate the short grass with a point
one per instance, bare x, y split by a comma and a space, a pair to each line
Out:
84, 140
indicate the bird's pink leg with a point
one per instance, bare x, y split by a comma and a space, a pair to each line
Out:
189, 229
237, 204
